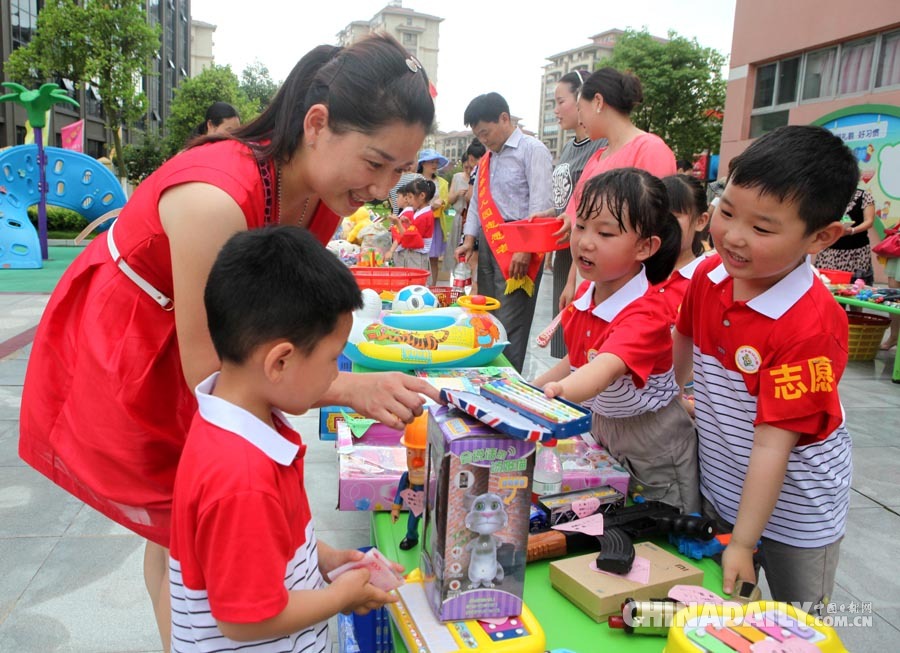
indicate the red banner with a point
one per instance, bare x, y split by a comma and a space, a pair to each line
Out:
73, 136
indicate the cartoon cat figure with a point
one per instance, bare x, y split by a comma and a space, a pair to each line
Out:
486, 516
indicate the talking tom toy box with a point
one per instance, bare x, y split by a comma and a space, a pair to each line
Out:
476, 518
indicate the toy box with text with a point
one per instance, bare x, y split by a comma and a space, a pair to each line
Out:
586, 464
600, 594
476, 518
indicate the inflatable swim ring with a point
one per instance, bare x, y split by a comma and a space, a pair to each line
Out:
441, 337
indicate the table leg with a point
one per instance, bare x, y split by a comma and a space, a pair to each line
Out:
896, 375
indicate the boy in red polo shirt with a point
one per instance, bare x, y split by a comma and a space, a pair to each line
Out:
768, 345
245, 566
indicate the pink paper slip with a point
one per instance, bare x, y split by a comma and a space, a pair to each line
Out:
381, 573
592, 525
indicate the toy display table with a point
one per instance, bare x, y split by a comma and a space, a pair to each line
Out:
564, 624
892, 310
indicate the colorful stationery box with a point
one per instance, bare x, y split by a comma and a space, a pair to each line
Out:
521, 411
476, 518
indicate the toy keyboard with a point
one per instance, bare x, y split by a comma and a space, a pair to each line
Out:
423, 633
521, 411
758, 627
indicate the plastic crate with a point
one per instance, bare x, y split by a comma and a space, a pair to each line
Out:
381, 279
866, 334
447, 295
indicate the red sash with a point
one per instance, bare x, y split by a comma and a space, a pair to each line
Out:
490, 226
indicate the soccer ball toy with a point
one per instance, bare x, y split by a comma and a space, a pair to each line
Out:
415, 298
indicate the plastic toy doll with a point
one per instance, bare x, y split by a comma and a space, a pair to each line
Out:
411, 489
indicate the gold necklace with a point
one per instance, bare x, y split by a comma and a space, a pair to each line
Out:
300, 222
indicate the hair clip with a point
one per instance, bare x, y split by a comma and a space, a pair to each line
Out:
413, 64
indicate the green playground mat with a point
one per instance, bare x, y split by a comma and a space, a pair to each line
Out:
42, 280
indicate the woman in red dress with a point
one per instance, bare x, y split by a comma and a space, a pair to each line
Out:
108, 394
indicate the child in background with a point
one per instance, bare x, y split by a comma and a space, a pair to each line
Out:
412, 236
619, 339
768, 345
245, 567
687, 202
400, 224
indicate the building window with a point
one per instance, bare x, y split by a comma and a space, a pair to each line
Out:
776, 83
788, 78
410, 39
23, 16
766, 122
889, 61
856, 66
94, 149
818, 78
764, 95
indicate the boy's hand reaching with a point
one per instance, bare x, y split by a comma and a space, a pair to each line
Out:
553, 389
737, 563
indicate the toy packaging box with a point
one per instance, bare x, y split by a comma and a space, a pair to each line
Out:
587, 464
477, 506
601, 594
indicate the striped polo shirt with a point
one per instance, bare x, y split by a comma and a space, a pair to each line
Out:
634, 327
775, 360
242, 532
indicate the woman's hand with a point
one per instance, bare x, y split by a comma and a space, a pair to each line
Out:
392, 398
565, 229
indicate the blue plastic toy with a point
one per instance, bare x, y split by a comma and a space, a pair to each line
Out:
75, 181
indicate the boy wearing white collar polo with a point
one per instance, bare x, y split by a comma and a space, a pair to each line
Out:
768, 346
245, 565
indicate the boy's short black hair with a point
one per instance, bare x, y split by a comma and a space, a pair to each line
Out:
803, 164
485, 108
275, 283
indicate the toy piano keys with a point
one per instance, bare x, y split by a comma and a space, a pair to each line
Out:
521, 411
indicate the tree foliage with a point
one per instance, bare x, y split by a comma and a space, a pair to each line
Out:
257, 84
194, 96
143, 158
684, 91
106, 42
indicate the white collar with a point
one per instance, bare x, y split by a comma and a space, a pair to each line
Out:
611, 306
424, 209
514, 139
242, 423
778, 299
687, 271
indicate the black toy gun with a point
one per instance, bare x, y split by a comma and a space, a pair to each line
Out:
620, 528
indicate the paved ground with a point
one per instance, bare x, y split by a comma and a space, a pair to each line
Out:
71, 581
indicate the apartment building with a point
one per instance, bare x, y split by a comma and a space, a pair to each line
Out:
419, 33
585, 57
18, 22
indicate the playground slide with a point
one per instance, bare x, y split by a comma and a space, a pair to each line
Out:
74, 181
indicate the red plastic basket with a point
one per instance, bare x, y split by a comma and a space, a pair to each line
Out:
532, 235
837, 277
381, 279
